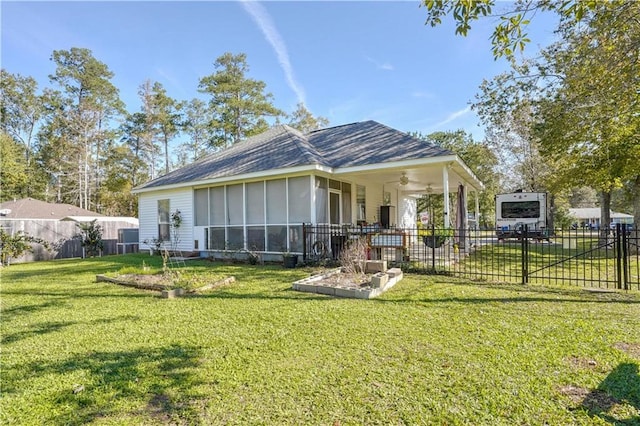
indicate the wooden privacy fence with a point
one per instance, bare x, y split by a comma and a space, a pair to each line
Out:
61, 234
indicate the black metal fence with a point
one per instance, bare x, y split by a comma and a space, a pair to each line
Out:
602, 259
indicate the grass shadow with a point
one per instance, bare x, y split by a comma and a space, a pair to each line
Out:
162, 380
37, 330
10, 313
621, 386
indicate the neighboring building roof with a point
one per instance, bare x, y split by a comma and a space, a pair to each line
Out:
127, 219
594, 213
29, 208
282, 147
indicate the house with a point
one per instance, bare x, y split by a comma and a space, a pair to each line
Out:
56, 223
258, 193
589, 217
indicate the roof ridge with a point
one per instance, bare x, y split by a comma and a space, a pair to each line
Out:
302, 142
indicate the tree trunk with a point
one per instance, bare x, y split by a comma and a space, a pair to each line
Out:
605, 214
634, 235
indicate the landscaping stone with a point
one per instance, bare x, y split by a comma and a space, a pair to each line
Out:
330, 291
168, 294
379, 280
373, 266
322, 284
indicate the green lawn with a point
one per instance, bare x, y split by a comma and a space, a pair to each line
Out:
432, 350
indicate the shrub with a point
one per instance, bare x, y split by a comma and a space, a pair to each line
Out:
353, 257
13, 246
91, 237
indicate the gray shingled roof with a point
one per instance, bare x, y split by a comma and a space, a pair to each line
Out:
281, 147
29, 208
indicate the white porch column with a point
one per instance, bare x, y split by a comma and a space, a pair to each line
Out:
477, 212
465, 220
445, 189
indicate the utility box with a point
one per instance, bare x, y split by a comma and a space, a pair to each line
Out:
128, 238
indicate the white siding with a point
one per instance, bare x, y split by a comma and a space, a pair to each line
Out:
373, 195
374, 201
179, 199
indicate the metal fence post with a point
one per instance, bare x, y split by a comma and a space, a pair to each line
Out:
304, 242
618, 254
433, 248
525, 255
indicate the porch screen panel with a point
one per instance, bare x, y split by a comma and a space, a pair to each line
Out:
216, 239
277, 201
235, 211
201, 197
321, 200
216, 206
255, 203
346, 203
235, 238
255, 238
299, 200
277, 238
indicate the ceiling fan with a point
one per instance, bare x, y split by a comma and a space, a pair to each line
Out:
403, 180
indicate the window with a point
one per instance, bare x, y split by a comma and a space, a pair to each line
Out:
334, 207
164, 221
346, 202
521, 209
321, 200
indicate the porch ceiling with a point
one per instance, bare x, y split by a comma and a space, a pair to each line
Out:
420, 177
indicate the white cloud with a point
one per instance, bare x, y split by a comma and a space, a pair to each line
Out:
422, 95
386, 66
452, 117
262, 18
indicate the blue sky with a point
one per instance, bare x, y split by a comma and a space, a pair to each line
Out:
347, 61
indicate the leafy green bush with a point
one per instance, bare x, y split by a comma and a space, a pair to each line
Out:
13, 246
91, 237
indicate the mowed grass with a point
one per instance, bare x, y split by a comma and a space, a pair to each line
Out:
432, 350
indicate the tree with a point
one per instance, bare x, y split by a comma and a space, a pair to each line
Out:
78, 123
480, 158
583, 197
303, 120
239, 104
21, 110
90, 236
136, 137
196, 126
508, 119
508, 36
588, 120
14, 176
166, 117
580, 102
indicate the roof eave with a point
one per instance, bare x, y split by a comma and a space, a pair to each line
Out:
246, 176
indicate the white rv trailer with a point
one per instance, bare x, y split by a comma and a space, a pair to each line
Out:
517, 209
